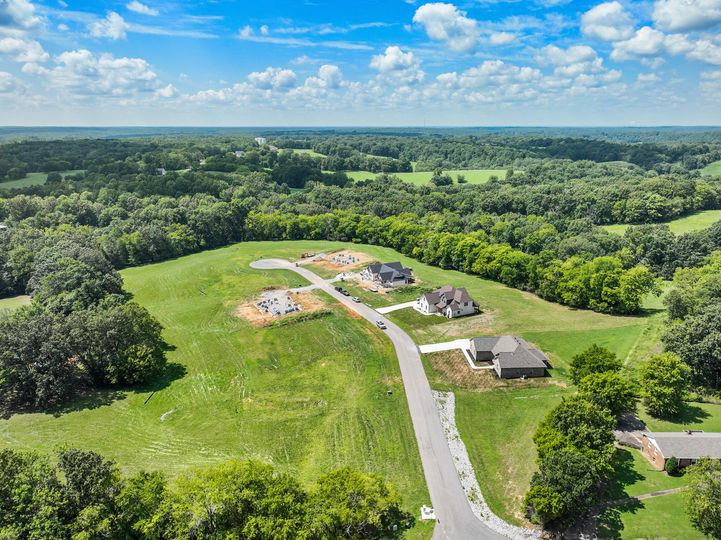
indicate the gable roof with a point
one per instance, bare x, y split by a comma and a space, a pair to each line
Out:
688, 444
390, 271
448, 296
510, 351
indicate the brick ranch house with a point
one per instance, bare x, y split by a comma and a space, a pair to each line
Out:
448, 302
512, 356
686, 446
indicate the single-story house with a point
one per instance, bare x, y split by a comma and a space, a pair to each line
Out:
260, 141
447, 301
512, 356
160, 171
387, 274
686, 446
239, 153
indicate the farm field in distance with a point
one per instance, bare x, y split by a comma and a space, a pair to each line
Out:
712, 169
693, 222
473, 176
10, 304
33, 179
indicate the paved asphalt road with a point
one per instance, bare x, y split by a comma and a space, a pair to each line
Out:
455, 519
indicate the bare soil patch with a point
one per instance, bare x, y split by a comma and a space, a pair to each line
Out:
249, 311
335, 260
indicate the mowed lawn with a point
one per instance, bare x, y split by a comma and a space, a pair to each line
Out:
497, 425
32, 179
712, 169
308, 397
693, 222
473, 176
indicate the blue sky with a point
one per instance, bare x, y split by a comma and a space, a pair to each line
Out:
362, 62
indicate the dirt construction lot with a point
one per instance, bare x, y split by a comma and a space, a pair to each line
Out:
343, 261
250, 311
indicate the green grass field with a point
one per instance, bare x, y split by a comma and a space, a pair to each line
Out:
283, 395
712, 169
473, 176
693, 222
308, 152
308, 397
9, 304
32, 179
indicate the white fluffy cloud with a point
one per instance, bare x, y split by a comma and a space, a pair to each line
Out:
329, 76
113, 26
23, 50
166, 92
8, 83
686, 15
446, 23
646, 41
403, 66
563, 57
272, 78
84, 73
139, 7
608, 21
17, 15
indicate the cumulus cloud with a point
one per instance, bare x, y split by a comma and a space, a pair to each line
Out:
23, 50
686, 15
562, 57
646, 41
84, 73
502, 38
608, 21
400, 65
329, 76
446, 23
272, 78
8, 83
139, 7
113, 26
17, 15
166, 92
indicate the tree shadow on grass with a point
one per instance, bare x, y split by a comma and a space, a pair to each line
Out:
689, 414
95, 398
625, 475
608, 522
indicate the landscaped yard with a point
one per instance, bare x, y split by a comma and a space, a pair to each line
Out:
308, 396
693, 222
660, 518
32, 179
473, 176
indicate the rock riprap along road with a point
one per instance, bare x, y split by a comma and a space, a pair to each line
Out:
455, 519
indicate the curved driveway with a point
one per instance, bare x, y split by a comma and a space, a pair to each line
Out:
455, 519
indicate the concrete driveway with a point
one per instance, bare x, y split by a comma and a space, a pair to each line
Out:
396, 307
455, 518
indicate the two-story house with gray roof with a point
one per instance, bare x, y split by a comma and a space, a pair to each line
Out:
448, 302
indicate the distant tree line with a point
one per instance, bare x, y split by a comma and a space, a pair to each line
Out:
83, 496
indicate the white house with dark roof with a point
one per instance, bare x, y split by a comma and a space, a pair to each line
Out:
512, 356
448, 302
387, 274
686, 446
